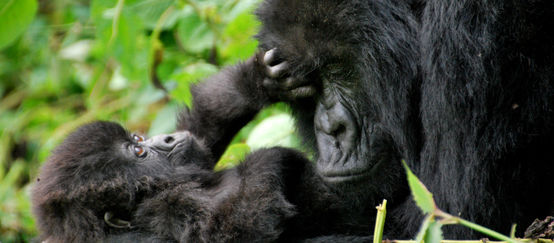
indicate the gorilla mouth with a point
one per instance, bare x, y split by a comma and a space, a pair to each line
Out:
343, 148
347, 168
179, 147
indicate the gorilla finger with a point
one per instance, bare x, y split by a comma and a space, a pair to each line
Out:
293, 82
269, 57
302, 92
271, 84
277, 70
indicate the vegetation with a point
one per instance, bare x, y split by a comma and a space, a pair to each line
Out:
430, 230
64, 63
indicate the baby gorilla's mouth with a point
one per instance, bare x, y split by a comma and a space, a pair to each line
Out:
189, 150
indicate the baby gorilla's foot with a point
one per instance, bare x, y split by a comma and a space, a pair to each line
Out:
279, 82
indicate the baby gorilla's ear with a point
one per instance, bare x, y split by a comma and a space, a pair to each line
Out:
74, 213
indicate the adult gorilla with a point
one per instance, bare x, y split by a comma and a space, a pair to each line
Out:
460, 89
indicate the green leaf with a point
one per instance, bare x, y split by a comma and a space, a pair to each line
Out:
187, 76
239, 42
150, 11
240, 7
126, 42
277, 130
232, 156
434, 233
165, 120
430, 231
194, 33
422, 196
16, 15
423, 229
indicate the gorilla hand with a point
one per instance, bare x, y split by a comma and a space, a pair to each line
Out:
280, 84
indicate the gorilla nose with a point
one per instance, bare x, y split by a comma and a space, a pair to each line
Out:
167, 141
333, 121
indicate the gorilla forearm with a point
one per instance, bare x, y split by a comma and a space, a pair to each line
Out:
224, 103
228, 100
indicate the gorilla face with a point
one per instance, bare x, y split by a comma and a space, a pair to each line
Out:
101, 172
105, 149
350, 141
180, 148
326, 44
104, 157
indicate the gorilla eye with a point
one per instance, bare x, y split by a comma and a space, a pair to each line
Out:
138, 138
139, 151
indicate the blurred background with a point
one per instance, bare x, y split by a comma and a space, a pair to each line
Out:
64, 63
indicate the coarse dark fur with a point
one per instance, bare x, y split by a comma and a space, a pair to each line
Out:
461, 90
165, 198
172, 194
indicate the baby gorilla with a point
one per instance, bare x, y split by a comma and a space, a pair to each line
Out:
104, 184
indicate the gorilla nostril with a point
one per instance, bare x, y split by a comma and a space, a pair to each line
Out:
169, 139
339, 132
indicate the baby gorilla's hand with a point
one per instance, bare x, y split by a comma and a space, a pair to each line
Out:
280, 84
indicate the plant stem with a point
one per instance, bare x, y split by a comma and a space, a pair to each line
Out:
380, 222
486, 231
450, 219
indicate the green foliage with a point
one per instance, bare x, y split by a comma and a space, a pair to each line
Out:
422, 196
65, 63
16, 15
274, 130
232, 156
430, 230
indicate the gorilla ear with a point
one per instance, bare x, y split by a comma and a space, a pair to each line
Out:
114, 222
62, 220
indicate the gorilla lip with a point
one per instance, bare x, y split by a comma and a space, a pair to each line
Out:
343, 176
179, 146
354, 173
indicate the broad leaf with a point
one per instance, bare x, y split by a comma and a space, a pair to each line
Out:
165, 120
188, 75
194, 33
430, 231
422, 196
232, 156
276, 130
16, 15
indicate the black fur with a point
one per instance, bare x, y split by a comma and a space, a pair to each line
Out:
171, 194
462, 90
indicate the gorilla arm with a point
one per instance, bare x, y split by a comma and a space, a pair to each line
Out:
228, 100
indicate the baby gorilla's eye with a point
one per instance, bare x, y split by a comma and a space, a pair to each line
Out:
138, 138
139, 151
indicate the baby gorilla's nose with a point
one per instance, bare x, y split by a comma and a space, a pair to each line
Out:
167, 142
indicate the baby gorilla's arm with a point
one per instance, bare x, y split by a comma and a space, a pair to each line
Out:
228, 100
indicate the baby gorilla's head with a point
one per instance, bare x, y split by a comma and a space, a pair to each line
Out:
102, 168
